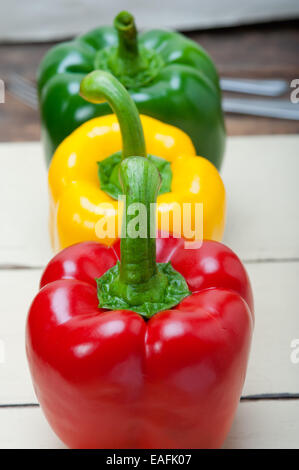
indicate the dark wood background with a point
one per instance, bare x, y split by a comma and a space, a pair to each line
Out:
257, 51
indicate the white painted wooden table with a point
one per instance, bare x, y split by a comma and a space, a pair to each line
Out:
261, 176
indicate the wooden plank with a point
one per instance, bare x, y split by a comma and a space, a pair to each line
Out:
260, 174
270, 368
24, 238
265, 425
257, 425
18, 288
276, 295
26, 428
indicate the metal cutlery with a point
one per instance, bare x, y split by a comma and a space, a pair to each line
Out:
23, 89
255, 87
281, 109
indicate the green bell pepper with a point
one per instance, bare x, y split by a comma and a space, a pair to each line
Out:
170, 78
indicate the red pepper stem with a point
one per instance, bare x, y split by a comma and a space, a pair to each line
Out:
138, 282
140, 181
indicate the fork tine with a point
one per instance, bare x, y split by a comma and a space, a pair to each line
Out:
24, 84
24, 90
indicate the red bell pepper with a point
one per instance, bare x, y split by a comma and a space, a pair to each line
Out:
111, 379
169, 376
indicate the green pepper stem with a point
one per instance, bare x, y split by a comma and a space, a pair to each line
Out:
128, 60
131, 62
99, 86
127, 35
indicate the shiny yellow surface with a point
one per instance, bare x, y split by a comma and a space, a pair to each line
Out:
77, 204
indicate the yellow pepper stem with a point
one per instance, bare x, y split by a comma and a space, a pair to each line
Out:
101, 86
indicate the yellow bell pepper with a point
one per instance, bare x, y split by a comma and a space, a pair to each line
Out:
78, 204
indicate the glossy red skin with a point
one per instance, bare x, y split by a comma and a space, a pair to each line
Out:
110, 379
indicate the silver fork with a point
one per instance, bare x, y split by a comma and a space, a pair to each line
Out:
274, 108
23, 89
